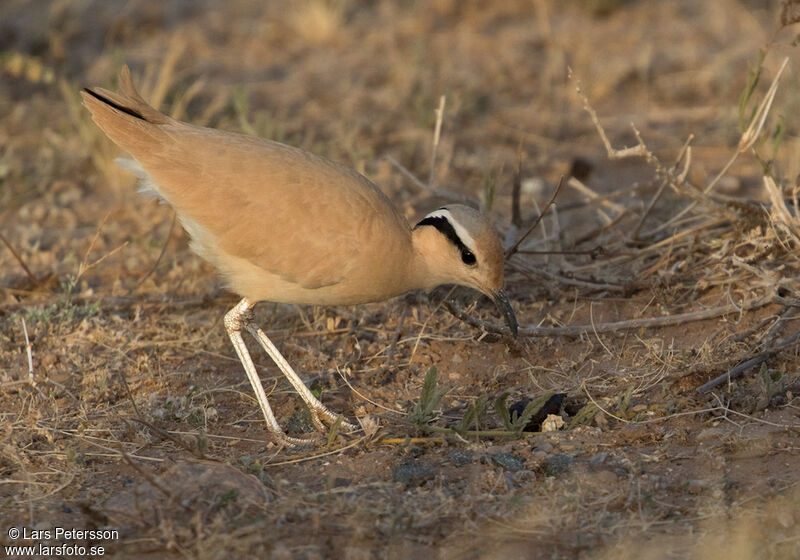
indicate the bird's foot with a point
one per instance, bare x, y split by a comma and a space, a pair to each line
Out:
281, 438
323, 415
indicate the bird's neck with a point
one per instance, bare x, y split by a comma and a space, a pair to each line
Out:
427, 268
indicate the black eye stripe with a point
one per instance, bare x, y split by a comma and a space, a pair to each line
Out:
446, 228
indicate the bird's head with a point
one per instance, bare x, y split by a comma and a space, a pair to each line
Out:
460, 246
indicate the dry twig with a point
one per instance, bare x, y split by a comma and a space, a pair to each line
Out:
515, 247
437, 131
29, 352
758, 359
21, 262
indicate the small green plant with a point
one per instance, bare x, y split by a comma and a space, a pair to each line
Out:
584, 416
511, 420
514, 423
753, 77
771, 383
752, 117
241, 106
64, 310
624, 403
334, 430
425, 409
474, 414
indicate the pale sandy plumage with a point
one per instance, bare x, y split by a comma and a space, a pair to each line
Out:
281, 224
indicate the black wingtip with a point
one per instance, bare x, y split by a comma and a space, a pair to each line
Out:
117, 106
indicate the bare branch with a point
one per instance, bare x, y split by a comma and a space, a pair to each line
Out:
516, 245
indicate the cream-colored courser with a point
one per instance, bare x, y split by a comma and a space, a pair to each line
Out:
283, 225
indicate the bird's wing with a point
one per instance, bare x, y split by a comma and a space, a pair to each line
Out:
289, 212
278, 207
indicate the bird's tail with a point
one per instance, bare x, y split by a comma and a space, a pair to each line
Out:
126, 118
128, 101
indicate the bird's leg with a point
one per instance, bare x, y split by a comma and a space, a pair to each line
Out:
238, 317
318, 410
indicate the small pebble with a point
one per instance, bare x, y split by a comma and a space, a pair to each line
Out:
545, 447
508, 461
557, 464
539, 456
413, 473
598, 459
461, 457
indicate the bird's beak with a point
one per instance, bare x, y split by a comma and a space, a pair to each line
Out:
501, 301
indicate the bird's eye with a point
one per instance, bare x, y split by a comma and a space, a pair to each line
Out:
467, 257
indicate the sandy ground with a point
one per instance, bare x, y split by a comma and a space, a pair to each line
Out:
657, 270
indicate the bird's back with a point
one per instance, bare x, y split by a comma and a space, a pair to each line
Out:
279, 223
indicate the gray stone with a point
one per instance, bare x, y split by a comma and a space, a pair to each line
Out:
508, 461
461, 457
557, 464
413, 473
